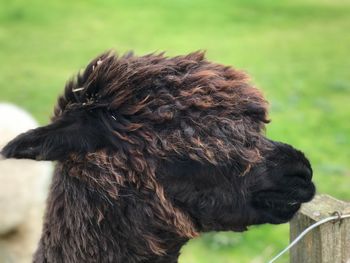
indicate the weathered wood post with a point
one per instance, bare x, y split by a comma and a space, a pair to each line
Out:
328, 243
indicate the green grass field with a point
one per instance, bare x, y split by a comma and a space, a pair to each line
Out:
297, 52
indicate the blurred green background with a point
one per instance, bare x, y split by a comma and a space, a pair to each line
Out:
297, 52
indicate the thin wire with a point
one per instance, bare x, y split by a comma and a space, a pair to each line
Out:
307, 230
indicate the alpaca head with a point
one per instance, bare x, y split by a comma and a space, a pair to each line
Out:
188, 130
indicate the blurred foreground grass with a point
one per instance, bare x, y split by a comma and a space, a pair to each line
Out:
297, 52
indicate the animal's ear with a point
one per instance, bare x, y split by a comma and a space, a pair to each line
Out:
52, 142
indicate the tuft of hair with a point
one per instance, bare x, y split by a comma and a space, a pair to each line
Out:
189, 106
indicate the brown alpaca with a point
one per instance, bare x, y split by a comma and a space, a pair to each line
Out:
151, 151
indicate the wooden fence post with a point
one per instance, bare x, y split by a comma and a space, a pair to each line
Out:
328, 243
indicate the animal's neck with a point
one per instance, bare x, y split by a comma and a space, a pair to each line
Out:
82, 225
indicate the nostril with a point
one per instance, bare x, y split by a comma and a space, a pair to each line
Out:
293, 162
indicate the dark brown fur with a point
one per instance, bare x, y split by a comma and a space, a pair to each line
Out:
152, 151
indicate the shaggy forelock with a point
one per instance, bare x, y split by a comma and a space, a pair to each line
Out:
183, 106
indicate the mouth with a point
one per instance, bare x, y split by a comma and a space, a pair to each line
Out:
280, 214
280, 207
